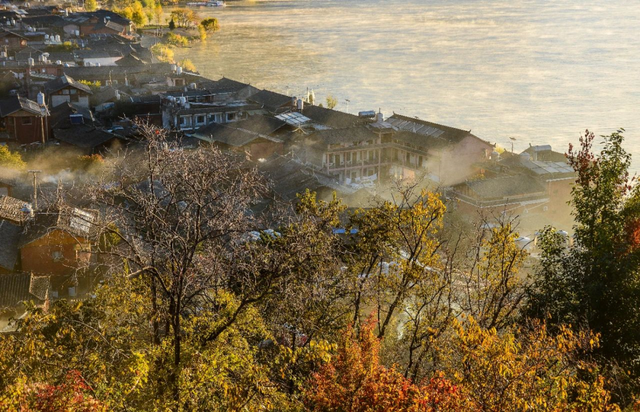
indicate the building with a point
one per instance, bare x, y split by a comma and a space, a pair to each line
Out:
58, 243
23, 121
256, 136
12, 41
460, 151
66, 89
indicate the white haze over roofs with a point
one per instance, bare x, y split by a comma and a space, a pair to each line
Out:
538, 70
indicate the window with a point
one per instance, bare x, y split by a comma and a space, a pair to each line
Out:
231, 117
65, 91
200, 119
185, 121
26, 121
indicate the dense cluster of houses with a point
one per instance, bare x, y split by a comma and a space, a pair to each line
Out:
85, 97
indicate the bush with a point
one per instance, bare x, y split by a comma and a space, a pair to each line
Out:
177, 40
12, 160
210, 24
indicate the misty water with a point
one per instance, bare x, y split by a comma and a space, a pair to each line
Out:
538, 71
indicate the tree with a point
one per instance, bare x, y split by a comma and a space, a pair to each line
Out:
182, 217
526, 369
184, 17
188, 65
493, 287
172, 24
395, 253
202, 32
355, 381
138, 15
177, 40
332, 102
595, 282
11, 160
163, 52
90, 5
210, 24
159, 14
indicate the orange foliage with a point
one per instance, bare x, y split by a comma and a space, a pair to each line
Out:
633, 234
355, 381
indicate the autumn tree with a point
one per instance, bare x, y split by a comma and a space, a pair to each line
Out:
492, 287
210, 24
176, 212
595, 282
331, 101
354, 380
90, 5
11, 160
188, 65
526, 369
158, 13
184, 17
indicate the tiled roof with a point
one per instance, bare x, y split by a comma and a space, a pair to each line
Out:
82, 135
16, 103
14, 287
271, 101
427, 128
290, 177
64, 81
9, 239
504, 187
5, 33
332, 118
240, 133
77, 222
13, 209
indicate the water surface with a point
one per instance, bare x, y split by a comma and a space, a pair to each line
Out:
538, 71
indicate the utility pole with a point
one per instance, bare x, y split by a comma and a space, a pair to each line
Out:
512, 140
35, 187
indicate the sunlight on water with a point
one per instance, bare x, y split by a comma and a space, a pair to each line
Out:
536, 70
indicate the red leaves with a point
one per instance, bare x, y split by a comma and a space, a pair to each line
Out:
71, 395
354, 381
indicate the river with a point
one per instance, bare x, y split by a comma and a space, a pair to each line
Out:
538, 71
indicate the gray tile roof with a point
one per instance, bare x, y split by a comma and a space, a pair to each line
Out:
9, 239
65, 81
332, 118
77, 222
13, 209
16, 103
83, 135
271, 101
240, 133
505, 187
427, 128
14, 288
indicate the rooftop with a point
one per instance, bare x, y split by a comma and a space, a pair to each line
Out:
240, 133
65, 81
426, 128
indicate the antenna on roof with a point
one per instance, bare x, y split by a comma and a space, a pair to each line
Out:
35, 187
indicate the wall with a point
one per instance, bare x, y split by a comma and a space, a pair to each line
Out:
26, 133
38, 256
